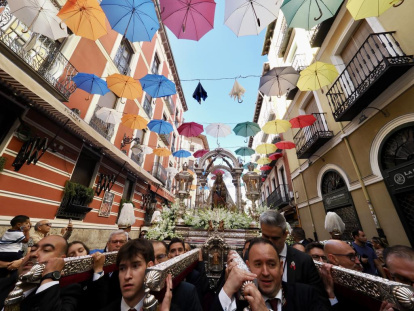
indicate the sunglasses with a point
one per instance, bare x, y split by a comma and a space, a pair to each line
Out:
352, 257
47, 224
317, 257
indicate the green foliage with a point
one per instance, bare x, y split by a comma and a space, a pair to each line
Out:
232, 220
75, 190
261, 209
165, 228
2, 163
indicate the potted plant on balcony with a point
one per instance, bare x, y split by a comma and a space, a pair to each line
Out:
2, 163
76, 197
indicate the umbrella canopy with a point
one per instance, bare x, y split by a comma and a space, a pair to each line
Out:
85, 18
190, 19
199, 93
108, 115
244, 151
316, 76
39, 16
264, 160
182, 154
200, 153
141, 149
285, 145
266, 168
246, 129
237, 92
134, 122
309, 13
246, 166
162, 152
302, 121
275, 156
157, 85
276, 126
160, 126
134, 19
250, 17
190, 129
124, 86
360, 9
266, 149
90, 83
278, 81
218, 130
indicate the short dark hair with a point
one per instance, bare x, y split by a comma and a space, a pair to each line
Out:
79, 242
247, 241
313, 245
261, 241
160, 242
379, 241
355, 233
136, 247
400, 251
175, 240
298, 232
19, 218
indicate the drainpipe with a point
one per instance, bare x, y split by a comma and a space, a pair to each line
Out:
315, 235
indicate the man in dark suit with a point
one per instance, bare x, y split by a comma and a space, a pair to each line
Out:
266, 267
298, 235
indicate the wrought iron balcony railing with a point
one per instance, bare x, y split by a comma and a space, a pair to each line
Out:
299, 62
279, 197
103, 128
311, 138
159, 172
166, 138
148, 108
376, 65
170, 104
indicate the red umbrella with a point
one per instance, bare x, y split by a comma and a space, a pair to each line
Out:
302, 121
265, 168
190, 129
285, 145
200, 153
263, 179
275, 156
216, 172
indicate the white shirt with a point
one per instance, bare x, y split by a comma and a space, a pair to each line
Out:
11, 241
282, 256
229, 304
138, 307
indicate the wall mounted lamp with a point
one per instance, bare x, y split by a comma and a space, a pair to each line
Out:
317, 157
126, 140
363, 117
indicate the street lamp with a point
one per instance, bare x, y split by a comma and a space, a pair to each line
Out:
252, 184
183, 182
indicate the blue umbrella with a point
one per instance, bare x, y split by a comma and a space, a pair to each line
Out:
90, 83
135, 19
160, 126
182, 154
157, 85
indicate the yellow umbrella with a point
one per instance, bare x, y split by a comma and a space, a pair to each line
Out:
265, 160
134, 121
124, 86
257, 170
266, 148
162, 152
316, 76
360, 9
85, 18
276, 126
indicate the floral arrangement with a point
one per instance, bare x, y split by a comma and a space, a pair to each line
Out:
261, 209
165, 228
232, 220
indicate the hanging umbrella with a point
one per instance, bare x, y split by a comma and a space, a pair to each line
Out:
246, 129
278, 81
190, 19
141, 149
309, 13
108, 115
160, 126
162, 152
266, 148
157, 85
90, 83
200, 153
316, 76
360, 9
39, 16
219, 172
199, 93
190, 129
134, 19
237, 92
266, 168
264, 160
246, 166
85, 18
124, 86
285, 145
302, 121
250, 17
275, 156
244, 151
182, 154
276, 126
134, 122
218, 130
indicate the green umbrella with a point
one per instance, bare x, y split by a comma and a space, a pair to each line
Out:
244, 151
247, 164
246, 129
308, 13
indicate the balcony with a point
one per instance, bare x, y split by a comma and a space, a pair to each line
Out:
148, 107
311, 138
159, 172
279, 197
377, 64
170, 104
166, 138
319, 32
103, 128
38, 56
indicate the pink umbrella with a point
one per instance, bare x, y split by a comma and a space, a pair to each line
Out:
189, 19
275, 156
285, 145
190, 129
265, 168
216, 172
200, 153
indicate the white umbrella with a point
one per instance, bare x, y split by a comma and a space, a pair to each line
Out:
39, 16
278, 81
250, 17
218, 130
109, 115
141, 149
237, 92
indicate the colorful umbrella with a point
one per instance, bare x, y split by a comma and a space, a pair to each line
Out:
244, 151
157, 85
237, 92
219, 172
199, 93
190, 129
200, 153
278, 81
285, 145
134, 19
182, 154
190, 19
360, 9
90, 83
141, 149
246, 166
266, 168
246, 129
134, 122
264, 160
266, 148
302, 121
275, 156
108, 115
124, 86
160, 126
218, 130
316, 76
276, 126
85, 18
162, 152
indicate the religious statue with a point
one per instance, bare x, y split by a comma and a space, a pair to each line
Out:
219, 192
215, 262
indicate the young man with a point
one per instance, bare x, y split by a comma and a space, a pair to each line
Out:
315, 250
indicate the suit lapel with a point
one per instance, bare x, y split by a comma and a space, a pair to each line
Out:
290, 259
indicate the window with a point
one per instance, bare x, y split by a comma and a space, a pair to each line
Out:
191, 164
129, 186
148, 105
274, 183
85, 168
164, 117
192, 148
173, 144
155, 64
123, 57
109, 100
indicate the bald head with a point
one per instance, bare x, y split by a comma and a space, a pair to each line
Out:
340, 253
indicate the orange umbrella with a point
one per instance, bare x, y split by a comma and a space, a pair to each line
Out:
134, 121
124, 86
85, 18
162, 152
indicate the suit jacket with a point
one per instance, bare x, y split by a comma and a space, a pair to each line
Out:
351, 300
113, 306
185, 298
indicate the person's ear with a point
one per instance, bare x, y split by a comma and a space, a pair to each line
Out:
150, 263
332, 259
281, 264
248, 264
387, 272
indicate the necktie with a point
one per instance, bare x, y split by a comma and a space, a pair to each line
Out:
273, 302
132, 309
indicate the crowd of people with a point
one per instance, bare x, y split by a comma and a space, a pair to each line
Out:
280, 276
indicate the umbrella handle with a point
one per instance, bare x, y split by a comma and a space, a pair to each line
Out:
320, 11
398, 4
239, 101
60, 24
